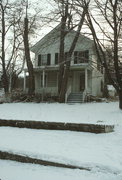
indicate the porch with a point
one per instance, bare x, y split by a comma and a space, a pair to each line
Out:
46, 82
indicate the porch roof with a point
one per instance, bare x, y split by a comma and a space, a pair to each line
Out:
56, 67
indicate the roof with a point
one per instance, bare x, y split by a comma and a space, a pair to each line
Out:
52, 37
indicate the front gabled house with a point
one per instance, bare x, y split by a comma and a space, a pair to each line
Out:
84, 78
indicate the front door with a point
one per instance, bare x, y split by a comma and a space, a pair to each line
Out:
82, 81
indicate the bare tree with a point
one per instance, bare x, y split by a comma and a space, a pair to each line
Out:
9, 39
3, 8
29, 28
67, 10
110, 14
27, 54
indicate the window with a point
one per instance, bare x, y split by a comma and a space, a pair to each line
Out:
56, 58
81, 57
44, 59
66, 55
75, 57
48, 59
39, 60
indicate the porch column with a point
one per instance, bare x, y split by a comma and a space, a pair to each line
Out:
43, 83
43, 78
24, 80
86, 80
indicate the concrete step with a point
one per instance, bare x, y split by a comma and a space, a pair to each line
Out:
75, 98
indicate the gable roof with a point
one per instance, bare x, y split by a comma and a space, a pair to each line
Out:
48, 39
52, 37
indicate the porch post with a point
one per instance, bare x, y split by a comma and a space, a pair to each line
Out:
86, 80
43, 79
24, 80
43, 83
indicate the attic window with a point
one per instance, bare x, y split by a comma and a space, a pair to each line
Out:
81, 57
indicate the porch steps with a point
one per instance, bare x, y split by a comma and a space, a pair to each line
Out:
75, 98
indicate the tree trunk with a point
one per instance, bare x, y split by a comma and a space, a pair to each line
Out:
120, 99
68, 61
5, 78
61, 49
64, 81
28, 59
61, 54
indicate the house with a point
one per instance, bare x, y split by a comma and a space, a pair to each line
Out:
84, 78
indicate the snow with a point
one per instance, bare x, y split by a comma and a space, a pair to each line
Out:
18, 171
76, 148
100, 152
100, 113
111, 88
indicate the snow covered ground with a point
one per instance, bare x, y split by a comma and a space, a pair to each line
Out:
18, 171
102, 113
75, 148
101, 152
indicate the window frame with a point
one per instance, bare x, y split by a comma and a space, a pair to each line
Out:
44, 59
81, 57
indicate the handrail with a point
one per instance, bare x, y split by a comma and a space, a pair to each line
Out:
67, 93
84, 95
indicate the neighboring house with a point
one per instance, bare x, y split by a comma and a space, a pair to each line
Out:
84, 76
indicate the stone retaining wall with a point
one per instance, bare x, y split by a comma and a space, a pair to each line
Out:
93, 128
26, 159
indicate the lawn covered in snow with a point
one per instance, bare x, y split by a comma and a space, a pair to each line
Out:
100, 113
101, 152
18, 171
75, 148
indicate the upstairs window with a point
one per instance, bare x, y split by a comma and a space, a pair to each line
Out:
66, 56
56, 58
39, 60
44, 59
48, 59
81, 57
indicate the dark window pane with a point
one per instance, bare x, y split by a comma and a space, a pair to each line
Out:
56, 58
66, 55
87, 55
75, 57
39, 60
81, 57
44, 59
48, 59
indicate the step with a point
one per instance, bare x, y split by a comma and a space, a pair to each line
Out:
75, 98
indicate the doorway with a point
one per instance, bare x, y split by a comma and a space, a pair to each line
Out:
82, 82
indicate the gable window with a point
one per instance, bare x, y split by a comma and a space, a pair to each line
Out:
81, 57
44, 59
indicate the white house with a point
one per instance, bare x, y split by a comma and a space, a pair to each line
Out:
84, 76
